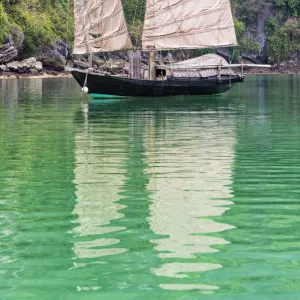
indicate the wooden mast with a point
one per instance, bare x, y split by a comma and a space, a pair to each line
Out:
152, 64
135, 64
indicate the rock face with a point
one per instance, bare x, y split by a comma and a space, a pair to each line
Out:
18, 38
22, 66
257, 34
103, 62
39, 66
29, 65
80, 64
3, 68
8, 52
55, 56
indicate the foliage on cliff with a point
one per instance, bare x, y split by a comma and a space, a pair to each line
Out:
281, 28
45, 21
41, 21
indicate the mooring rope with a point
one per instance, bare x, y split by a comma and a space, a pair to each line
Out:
85, 89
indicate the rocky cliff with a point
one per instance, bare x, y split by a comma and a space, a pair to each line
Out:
267, 31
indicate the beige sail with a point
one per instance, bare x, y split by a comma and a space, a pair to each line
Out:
100, 26
172, 24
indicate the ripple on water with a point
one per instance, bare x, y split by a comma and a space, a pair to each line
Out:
154, 198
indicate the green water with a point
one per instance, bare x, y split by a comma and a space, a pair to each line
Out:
179, 198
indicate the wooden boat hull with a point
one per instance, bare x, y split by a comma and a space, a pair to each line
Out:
119, 86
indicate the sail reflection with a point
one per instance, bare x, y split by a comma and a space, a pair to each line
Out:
149, 190
99, 179
112, 237
190, 183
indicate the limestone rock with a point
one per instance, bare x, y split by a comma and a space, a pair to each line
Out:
55, 56
98, 63
22, 66
34, 72
80, 64
18, 38
3, 68
8, 52
39, 66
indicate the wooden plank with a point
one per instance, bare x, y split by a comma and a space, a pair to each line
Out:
152, 65
135, 64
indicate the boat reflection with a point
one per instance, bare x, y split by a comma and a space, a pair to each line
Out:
99, 179
190, 181
112, 200
151, 179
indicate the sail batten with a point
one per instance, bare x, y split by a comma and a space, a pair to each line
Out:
172, 24
100, 26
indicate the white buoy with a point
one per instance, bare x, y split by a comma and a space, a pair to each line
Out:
85, 90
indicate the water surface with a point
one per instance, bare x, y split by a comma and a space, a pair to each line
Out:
174, 198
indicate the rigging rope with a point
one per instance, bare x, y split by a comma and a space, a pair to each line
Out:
68, 14
85, 88
230, 56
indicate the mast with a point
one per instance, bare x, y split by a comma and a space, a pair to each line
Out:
152, 65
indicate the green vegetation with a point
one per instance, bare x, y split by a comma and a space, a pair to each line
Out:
41, 21
134, 12
282, 28
284, 40
45, 21
4, 24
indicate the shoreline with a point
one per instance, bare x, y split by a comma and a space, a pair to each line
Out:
12, 75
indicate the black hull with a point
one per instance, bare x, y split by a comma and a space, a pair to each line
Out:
120, 86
